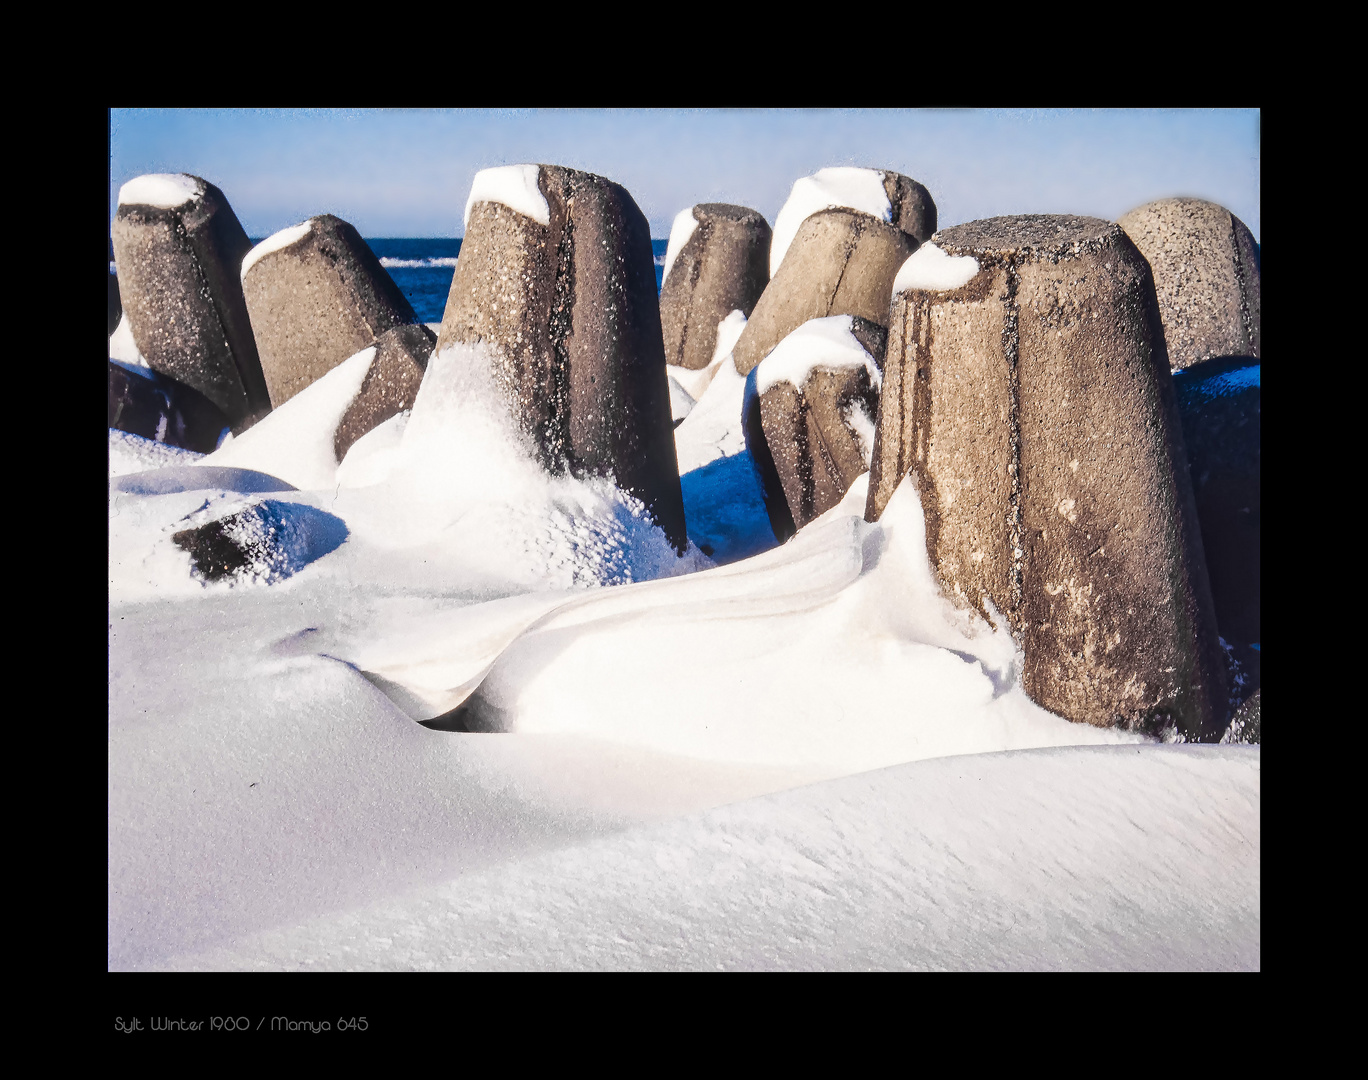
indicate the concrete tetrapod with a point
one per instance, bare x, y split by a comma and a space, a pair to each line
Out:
722, 267
557, 277
1206, 275
317, 295
817, 394
178, 247
390, 386
1027, 391
841, 262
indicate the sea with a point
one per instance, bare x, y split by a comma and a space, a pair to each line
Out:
423, 267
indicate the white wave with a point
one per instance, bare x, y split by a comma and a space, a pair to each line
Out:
417, 264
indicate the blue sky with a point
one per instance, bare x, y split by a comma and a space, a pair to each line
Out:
408, 172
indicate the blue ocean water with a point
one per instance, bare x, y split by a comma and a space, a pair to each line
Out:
423, 268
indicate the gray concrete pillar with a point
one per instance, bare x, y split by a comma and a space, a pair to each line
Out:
1027, 390
563, 290
178, 248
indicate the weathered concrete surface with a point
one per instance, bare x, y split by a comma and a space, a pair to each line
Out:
816, 449
316, 302
163, 410
179, 284
724, 267
914, 211
1206, 275
841, 262
115, 304
571, 311
390, 386
1219, 405
1035, 410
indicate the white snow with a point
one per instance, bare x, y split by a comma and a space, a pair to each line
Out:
931, 269
684, 225
694, 381
295, 441
816, 343
130, 453
123, 348
713, 427
683, 765
275, 242
1111, 859
516, 186
163, 190
841, 186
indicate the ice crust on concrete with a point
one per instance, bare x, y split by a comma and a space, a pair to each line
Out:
841, 186
275, 242
825, 342
931, 269
684, 226
165, 191
516, 186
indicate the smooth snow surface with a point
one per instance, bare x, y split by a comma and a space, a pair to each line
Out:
123, 348
163, 190
295, 441
826, 343
684, 226
516, 186
931, 269
1137, 858
843, 186
275, 242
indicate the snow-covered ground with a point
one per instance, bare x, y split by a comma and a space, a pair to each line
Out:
796, 756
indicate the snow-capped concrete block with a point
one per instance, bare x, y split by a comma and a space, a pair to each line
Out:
818, 397
841, 262
1219, 404
163, 410
1206, 274
391, 383
317, 295
722, 267
569, 307
1032, 402
178, 248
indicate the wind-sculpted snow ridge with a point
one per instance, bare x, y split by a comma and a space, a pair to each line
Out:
449, 494
1070, 859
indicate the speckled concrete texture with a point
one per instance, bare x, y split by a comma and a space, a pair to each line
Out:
724, 267
1035, 410
179, 287
571, 311
318, 301
1206, 275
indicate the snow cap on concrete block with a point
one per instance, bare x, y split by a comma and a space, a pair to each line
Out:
929, 268
685, 224
275, 242
516, 186
166, 191
843, 186
825, 342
